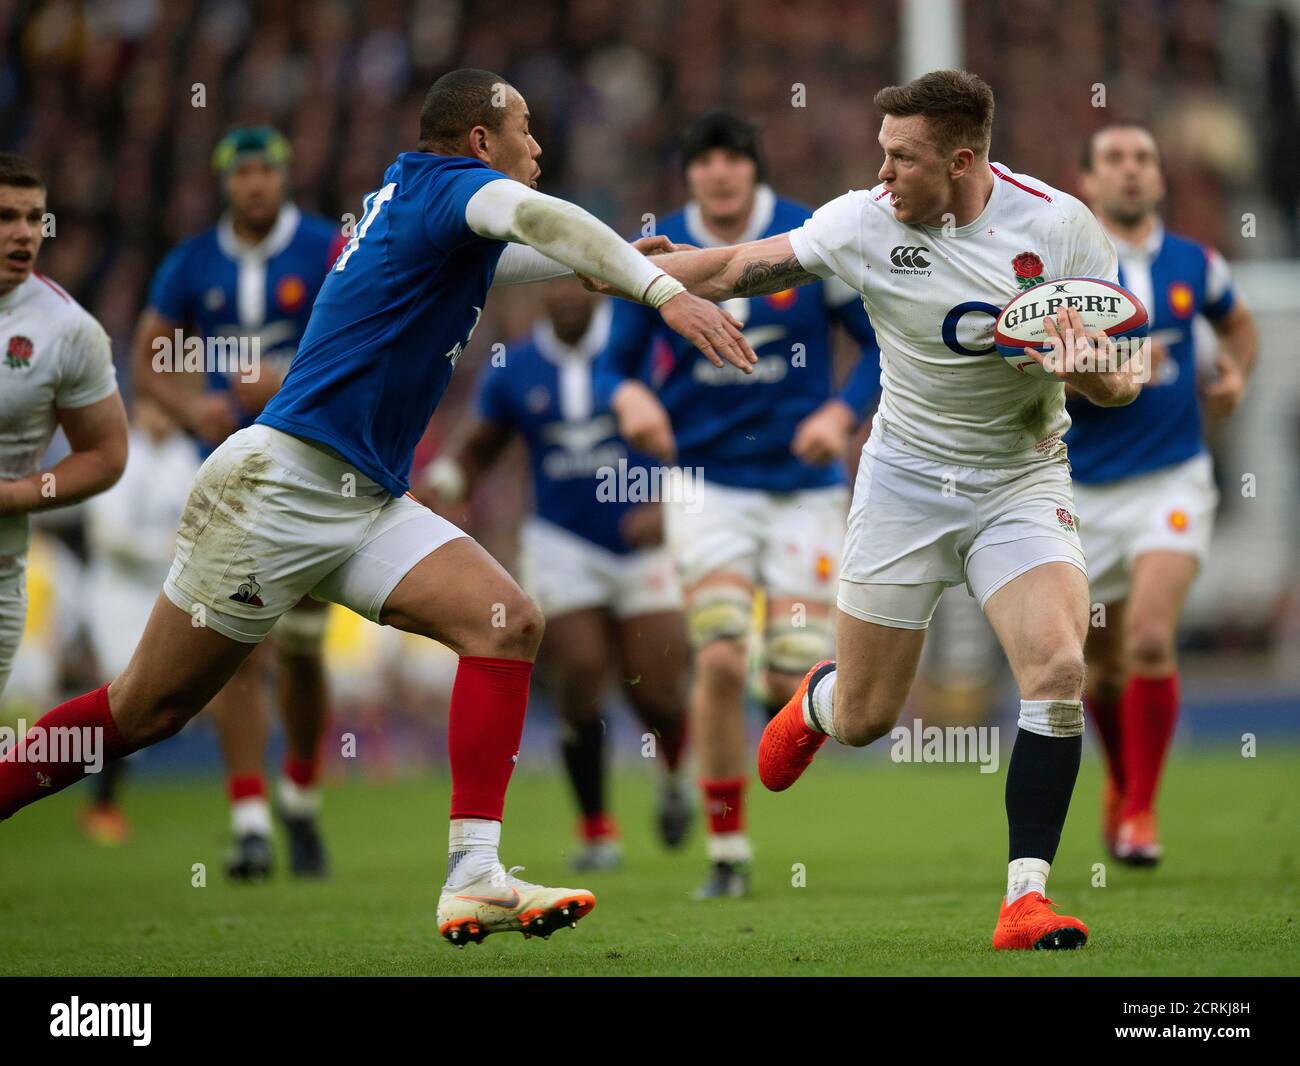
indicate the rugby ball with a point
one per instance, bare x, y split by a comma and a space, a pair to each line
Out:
1102, 305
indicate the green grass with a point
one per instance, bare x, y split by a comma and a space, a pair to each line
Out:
904, 867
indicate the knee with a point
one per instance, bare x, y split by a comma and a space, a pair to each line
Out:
1055, 674
513, 629
721, 664
1149, 646
143, 719
867, 722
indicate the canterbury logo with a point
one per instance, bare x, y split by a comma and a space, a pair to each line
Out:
495, 901
909, 257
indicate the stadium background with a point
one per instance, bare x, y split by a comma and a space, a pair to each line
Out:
103, 95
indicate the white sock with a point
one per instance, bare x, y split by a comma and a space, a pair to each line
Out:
1025, 876
823, 702
730, 847
471, 849
299, 802
250, 816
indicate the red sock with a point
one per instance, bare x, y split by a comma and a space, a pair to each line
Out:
302, 772
725, 802
24, 779
1105, 715
1149, 712
488, 702
599, 826
673, 739
245, 786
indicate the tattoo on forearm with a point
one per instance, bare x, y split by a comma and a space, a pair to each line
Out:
759, 279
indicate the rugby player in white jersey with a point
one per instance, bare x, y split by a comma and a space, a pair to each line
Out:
56, 371
964, 478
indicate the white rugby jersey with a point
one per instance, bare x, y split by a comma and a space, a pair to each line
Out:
933, 299
53, 355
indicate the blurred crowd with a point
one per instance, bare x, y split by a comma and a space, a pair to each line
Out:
122, 101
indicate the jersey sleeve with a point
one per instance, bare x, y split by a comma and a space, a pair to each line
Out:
829, 243
444, 212
493, 403
86, 373
632, 328
1220, 298
171, 293
1091, 254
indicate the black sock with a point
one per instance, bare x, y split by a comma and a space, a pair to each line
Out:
108, 782
584, 759
1040, 780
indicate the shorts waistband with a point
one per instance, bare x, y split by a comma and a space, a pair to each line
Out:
306, 457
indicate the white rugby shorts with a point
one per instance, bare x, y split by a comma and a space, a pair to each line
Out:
562, 572
1171, 509
271, 518
786, 542
919, 525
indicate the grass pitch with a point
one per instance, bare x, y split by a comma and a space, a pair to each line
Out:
903, 864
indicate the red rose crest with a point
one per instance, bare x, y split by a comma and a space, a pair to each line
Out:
1065, 518
19, 352
1027, 265
1029, 270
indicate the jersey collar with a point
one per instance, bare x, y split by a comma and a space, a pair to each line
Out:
760, 218
589, 345
1148, 249
976, 224
17, 294
275, 242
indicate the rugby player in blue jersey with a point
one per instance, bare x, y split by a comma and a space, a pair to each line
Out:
250, 281
767, 511
1143, 482
312, 498
591, 560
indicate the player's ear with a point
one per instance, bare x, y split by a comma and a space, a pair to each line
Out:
478, 144
961, 162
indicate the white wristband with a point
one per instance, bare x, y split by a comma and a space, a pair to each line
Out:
446, 478
662, 289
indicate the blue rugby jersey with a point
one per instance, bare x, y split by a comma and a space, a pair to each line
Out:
214, 285
544, 390
738, 427
391, 319
1176, 279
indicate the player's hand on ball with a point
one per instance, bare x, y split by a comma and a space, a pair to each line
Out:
643, 422
1081, 359
823, 436
714, 332
1223, 394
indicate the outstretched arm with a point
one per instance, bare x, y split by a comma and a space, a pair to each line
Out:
752, 269
510, 211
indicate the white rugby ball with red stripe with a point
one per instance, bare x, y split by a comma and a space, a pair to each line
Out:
1102, 305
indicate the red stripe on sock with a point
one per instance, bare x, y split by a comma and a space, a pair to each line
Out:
26, 776
1105, 715
302, 772
245, 786
599, 826
725, 802
488, 701
1148, 713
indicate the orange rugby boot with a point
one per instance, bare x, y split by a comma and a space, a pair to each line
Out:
1030, 923
788, 746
